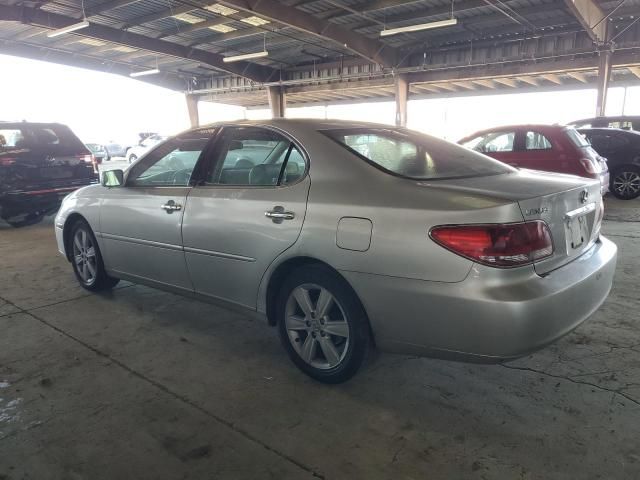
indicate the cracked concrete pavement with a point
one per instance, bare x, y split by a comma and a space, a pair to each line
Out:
139, 383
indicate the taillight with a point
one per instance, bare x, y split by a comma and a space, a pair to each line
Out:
86, 158
5, 162
497, 245
590, 166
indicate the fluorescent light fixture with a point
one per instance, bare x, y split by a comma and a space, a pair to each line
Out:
223, 28
246, 56
417, 28
69, 29
144, 72
221, 9
187, 17
255, 21
92, 41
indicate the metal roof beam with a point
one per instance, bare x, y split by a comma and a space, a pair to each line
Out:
372, 50
32, 16
591, 17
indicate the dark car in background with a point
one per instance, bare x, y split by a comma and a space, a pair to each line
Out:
622, 149
40, 163
624, 122
99, 152
550, 148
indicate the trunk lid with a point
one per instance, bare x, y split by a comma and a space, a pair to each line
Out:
573, 217
40, 156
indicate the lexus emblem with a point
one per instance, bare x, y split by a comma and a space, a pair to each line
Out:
584, 196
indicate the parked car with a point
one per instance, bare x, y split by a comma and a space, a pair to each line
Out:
550, 148
39, 164
99, 152
146, 144
624, 122
347, 235
116, 149
622, 149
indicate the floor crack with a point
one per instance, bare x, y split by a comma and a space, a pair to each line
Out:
578, 382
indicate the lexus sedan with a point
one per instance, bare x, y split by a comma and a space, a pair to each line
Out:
349, 236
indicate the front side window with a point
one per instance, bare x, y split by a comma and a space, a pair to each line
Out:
171, 164
252, 156
492, 142
536, 141
414, 155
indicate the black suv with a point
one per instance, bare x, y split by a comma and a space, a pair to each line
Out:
40, 163
622, 150
624, 122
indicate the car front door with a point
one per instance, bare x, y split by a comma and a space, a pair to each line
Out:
141, 222
247, 210
500, 145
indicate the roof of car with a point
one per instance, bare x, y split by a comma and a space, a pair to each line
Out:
620, 131
532, 126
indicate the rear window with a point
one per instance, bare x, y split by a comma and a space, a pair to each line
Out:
10, 137
413, 155
577, 138
53, 138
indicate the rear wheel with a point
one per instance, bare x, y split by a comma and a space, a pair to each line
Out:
87, 260
132, 158
322, 325
625, 183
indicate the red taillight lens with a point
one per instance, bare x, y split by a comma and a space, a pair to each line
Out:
5, 162
501, 245
590, 166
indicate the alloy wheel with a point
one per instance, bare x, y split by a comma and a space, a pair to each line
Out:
84, 256
317, 326
627, 184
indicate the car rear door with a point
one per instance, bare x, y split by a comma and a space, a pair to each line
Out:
538, 152
141, 222
248, 209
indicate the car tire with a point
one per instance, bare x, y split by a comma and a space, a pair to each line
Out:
132, 158
625, 183
86, 259
322, 324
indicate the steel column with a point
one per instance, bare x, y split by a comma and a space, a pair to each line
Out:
192, 108
277, 101
402, 96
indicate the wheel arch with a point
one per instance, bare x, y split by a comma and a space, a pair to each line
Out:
66, 231
280, 273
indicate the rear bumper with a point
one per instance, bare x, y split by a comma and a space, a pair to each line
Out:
491, 316
38, 200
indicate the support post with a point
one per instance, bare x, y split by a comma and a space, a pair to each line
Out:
604, 75
192, 108
277, 101
402, 96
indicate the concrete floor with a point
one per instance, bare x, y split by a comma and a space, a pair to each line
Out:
142, 384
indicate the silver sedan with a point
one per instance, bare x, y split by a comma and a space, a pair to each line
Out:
348, 236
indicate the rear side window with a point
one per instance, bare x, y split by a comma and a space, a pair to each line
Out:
576, 138
536, 141
253, 156
492, 142
11, 138
413, 155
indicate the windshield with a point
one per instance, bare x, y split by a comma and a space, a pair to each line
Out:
414, 155
577, 138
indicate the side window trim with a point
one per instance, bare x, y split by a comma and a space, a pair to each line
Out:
211, 158
194, 174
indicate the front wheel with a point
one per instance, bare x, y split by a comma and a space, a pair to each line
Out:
322, 325
625, 183
87, 260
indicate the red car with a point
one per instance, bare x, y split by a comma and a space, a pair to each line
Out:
551, 148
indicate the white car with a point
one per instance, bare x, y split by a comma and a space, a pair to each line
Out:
143, 147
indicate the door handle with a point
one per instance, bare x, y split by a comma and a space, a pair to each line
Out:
278, 214
171, 206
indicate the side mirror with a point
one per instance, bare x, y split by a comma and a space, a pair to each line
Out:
112, 178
